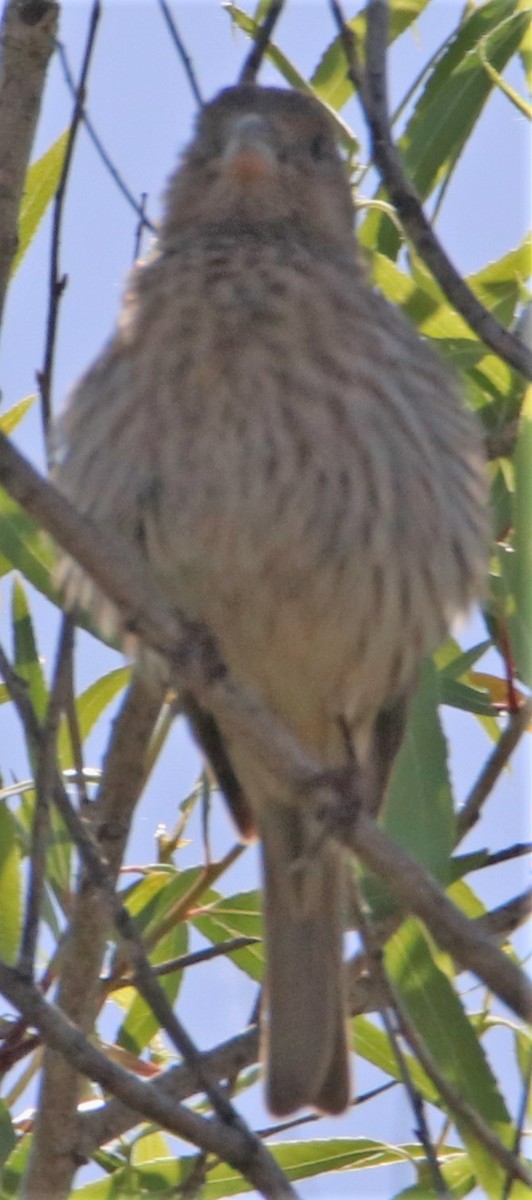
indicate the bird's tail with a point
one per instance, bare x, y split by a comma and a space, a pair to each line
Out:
305, 1030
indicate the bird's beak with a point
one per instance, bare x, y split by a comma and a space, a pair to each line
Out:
249, 156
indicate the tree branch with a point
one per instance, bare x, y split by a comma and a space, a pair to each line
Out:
53, 1160
56, 283
263, 36
372, 88
232, 1144
469, 814
26, 42
195, 663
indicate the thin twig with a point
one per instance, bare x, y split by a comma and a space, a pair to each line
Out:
182, 52
188, 960
148, 986
493, 768
141, 225
518, 850
53, 1160
235, 1145
372, 88
99, 146
458, 1106
263, 35
520, 1123
500, 443
311, 1118
57, 282
46, 760
76, 742
506, 918
373, 955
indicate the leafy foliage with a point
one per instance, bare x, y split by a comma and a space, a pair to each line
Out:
172, 906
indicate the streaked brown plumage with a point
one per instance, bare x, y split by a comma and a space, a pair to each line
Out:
299, 471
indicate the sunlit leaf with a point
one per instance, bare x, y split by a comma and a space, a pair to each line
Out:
40, 187
10, 887
238, 916
27, 662
90, 706
14, 415
435, 1010
330, 76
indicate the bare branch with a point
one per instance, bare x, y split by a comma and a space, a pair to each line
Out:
501, 922
263, 36
45, 770
234, 1145
26, 43
372, 88
518, 723
40, 1181
416, 892
457, 1105
100, 148
182, 52
196, 666
56, 281
53, 1160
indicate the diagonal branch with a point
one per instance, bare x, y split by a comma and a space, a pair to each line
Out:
196, 666
469, 814
372, 89
232, 1144
56, 284
52, 1167
263, 36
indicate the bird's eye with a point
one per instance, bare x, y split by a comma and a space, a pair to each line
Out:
318, 146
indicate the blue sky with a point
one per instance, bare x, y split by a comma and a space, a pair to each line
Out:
141, 105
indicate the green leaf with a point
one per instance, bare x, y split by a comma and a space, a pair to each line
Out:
499, 82
14, 1169
89, 707
452, 100
140, 1024
10, 886
10, 419
40, 187
25, 547
152, 901
457, 1176
525, 54
249, 25
237, 916
419, 809
27, 662
305, 1160
520, 620
467, 698
149, 1145
7, 1133
439, 1019
458, 89
373, 1044
453, 662
330, 80
501, 285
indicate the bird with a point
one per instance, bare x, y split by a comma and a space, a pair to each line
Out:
300, 473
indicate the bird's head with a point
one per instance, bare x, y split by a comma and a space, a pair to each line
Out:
262, 155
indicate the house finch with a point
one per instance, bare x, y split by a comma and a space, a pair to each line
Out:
299, 471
